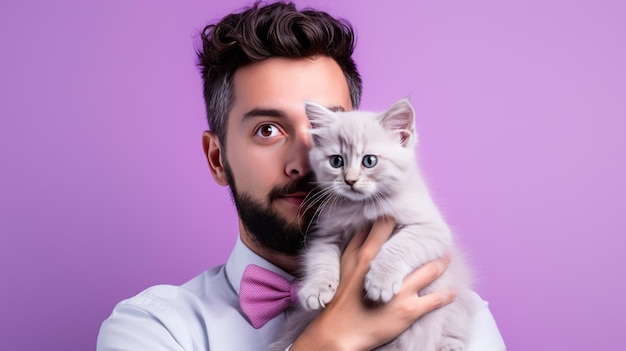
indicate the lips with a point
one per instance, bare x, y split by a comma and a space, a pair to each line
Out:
295, 199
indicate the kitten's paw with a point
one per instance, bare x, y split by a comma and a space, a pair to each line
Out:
315, 294
382, 282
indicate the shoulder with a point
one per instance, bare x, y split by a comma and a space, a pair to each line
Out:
162, 317
145, 321
174, 299
155, 300
484, 334
141, 322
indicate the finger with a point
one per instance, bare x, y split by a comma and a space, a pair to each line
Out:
426, 274
432, 301
378, 235
357, 241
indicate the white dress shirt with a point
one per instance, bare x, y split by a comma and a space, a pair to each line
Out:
204, 314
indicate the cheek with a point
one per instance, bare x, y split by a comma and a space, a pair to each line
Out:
255, 172
327, 173
370, 179
317, 164
333, 174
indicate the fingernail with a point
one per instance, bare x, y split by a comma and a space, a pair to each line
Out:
451, 294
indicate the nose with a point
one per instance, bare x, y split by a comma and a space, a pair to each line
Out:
298, 160
351, 176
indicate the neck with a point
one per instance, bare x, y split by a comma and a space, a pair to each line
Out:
288, 263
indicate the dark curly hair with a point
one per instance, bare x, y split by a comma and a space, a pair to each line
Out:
264, 31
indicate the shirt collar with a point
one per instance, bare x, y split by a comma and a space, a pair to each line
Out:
243, 256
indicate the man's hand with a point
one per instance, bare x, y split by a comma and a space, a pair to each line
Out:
350, 323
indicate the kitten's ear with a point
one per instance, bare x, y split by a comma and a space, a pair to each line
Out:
400, 118
318, 115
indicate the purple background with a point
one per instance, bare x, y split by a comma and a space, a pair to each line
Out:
104, 190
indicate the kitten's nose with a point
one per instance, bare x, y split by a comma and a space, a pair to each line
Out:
351, 176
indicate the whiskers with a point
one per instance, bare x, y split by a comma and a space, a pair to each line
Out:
320, 198
379, 203
324, 197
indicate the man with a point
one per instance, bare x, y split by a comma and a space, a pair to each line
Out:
258, 68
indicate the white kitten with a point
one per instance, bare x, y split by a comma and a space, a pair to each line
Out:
365, 166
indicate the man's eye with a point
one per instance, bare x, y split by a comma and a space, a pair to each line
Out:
267, 131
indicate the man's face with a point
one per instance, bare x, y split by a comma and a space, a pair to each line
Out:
267, 144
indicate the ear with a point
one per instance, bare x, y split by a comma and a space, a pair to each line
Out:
400, 119
213, 152
318, 115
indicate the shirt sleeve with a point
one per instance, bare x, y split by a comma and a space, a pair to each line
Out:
143, 323
484, 335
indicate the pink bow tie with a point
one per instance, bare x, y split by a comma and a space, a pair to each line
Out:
264, 294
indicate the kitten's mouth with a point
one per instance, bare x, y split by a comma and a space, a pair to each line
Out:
354, 194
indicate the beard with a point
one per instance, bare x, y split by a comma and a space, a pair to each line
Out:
265, 225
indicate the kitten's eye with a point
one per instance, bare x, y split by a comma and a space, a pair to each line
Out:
336, 161
267, 131
370, 161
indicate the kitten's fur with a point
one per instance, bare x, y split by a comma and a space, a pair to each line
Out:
393, 187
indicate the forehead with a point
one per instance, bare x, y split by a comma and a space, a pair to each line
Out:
355, 131
285, 84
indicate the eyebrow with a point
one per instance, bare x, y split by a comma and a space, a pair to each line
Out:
261, 112
270, 112
337, 109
